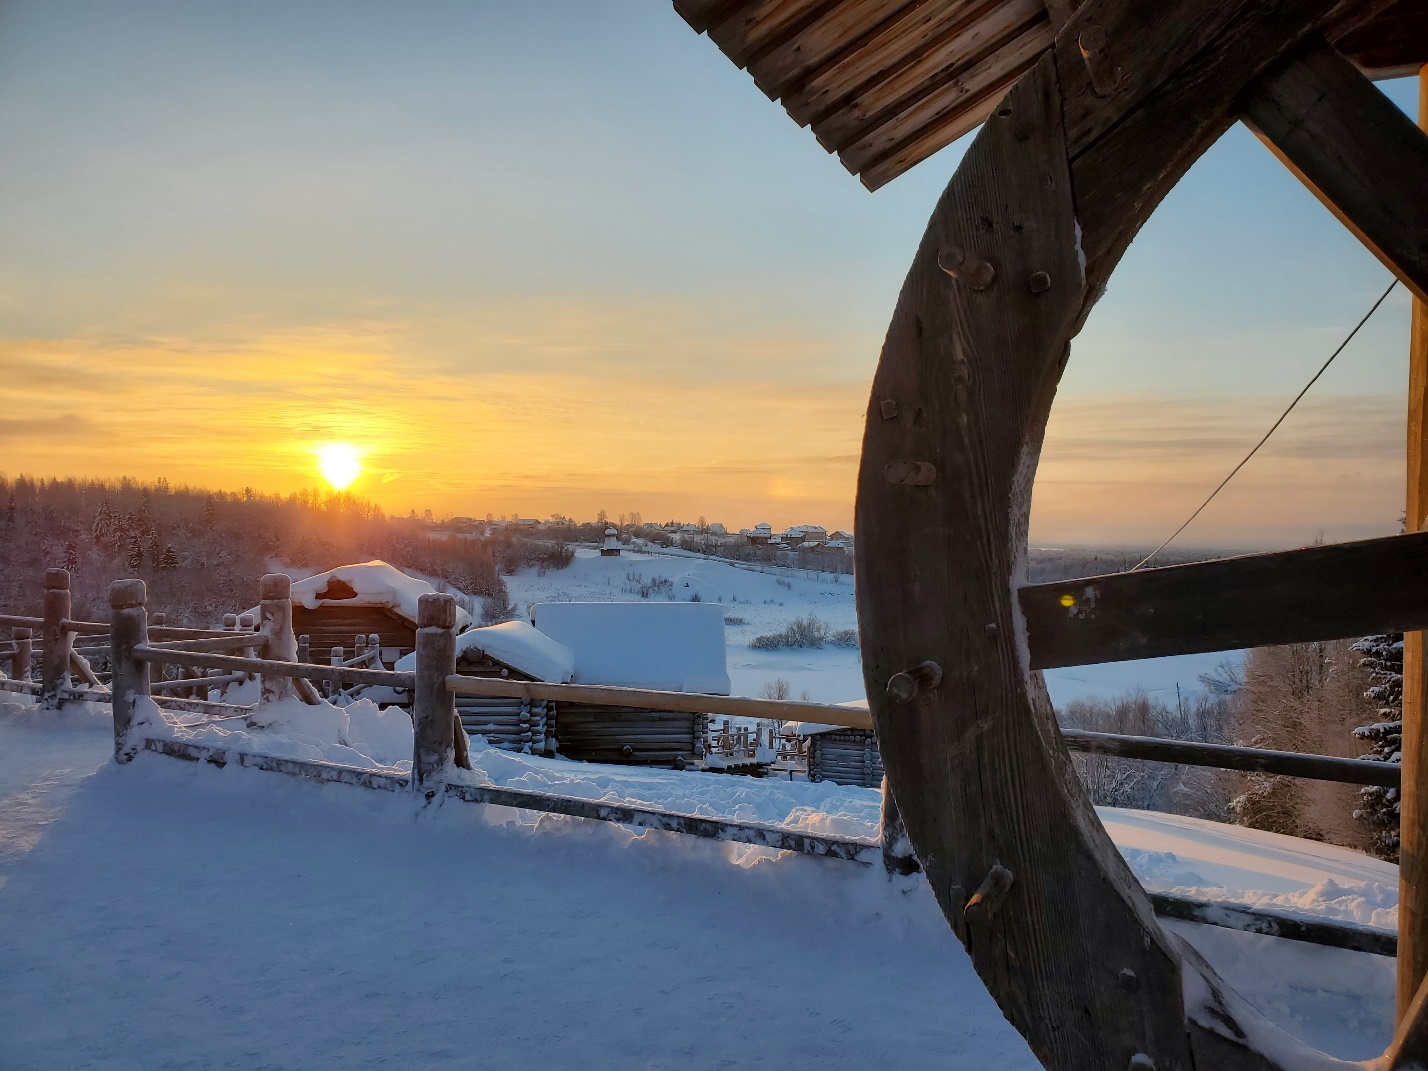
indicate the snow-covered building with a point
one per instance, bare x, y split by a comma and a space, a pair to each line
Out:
512, 650
759, 534
718, 529
840, 753
675, 647
611, 547
333, 607
805, 533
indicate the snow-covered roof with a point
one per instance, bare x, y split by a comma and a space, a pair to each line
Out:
813, 728
671, 646
517, 645
373, 583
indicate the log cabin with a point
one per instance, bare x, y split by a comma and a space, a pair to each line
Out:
333, 607
677, 647
512, 650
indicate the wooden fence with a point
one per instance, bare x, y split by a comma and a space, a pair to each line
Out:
270, 652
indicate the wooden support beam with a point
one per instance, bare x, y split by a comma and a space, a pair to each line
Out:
1353, 148
1413, 804
1258, 600
1232, 757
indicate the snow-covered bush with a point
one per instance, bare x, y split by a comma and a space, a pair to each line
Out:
800, 632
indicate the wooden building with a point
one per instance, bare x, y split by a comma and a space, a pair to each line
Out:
512, 650
333, 607
677, 646
840, 753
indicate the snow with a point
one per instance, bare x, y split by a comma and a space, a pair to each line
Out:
671, 646
519, 646
228, 917
758, 595
376, 584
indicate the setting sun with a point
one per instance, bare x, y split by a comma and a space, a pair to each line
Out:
339, 464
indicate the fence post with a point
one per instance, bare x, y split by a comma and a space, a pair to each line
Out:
433, 705
24, 651
897, 849
276, 613
54, 662
128, 628
304, 648
230, 622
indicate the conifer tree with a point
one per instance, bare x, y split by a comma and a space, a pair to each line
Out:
135, 560
103, 527
170, 559
1383, 658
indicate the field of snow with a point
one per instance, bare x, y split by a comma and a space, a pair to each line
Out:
233, 918
767, 601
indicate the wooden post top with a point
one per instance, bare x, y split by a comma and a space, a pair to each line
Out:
230, 622
436, 610
56, 579
123, 593
20, 634
275, 586
245, 623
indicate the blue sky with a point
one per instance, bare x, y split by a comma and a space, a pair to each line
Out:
564, 256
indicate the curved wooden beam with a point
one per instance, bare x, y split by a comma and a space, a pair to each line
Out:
1015, 253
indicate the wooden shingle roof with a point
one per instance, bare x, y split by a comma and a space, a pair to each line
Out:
883, 83
886, 83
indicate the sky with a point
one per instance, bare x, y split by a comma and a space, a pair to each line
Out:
562, 256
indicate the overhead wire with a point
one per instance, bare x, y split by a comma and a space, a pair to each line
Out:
1273, 427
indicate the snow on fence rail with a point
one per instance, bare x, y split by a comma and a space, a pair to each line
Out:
135, 646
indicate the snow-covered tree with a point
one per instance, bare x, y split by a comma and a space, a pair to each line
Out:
103, 527
169, 560
1383, 658
135, 560
71, 555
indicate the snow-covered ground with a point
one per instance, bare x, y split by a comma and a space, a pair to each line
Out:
171, 914
769, 601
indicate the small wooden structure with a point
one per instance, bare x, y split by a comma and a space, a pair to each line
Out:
1090, 113
677, 647
334, 607
515, 651
611, 547
842, 755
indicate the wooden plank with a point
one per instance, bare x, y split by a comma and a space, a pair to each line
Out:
840, 31
1275, 924
701, 14
1229, 757
1392, 44
976, 763
762, 25
971, 115
942, 106
1413, 804
1353, 148
1409, 1050
1124, 174
899, 41
1257, 600
1143, 49
336, 674
941, 62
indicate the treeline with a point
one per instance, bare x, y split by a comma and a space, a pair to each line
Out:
1314, 698
201, 552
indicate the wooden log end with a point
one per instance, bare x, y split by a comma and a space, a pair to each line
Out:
275, 586
906, 686
436, 610
123, 594
982, 907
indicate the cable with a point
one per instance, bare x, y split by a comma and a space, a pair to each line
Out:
1274, 427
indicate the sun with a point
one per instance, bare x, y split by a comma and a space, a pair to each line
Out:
339, 464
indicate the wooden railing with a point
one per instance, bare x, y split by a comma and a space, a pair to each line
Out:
271, 653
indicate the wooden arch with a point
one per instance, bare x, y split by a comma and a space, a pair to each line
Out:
1066, 170
1093, 110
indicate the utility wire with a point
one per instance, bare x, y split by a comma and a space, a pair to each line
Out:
1273, 428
